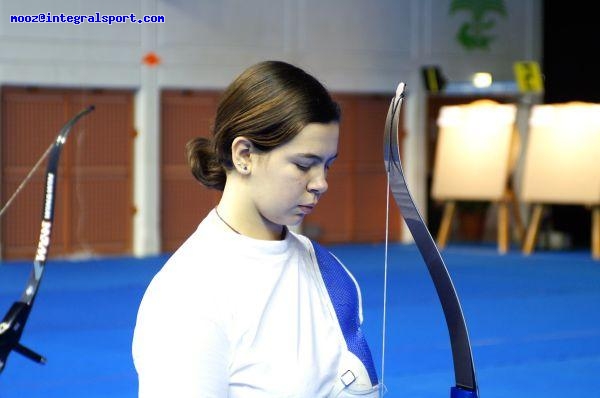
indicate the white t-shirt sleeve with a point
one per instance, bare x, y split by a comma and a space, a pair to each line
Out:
178, 355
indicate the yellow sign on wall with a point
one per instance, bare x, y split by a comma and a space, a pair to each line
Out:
529, 77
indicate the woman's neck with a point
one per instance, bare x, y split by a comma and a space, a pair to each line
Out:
238, 213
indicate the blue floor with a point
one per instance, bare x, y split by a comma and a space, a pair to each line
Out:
534, 323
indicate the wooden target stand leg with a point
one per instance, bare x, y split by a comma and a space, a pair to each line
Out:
534, 224
596, 232
445, 224
532, 229
504, 237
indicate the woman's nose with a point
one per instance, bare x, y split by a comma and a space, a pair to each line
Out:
318, 184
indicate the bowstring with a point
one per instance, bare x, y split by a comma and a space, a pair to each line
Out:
385, 278
395, 107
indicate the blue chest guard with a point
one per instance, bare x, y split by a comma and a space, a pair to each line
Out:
344, 296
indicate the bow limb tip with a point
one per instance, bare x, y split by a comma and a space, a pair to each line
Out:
400, 90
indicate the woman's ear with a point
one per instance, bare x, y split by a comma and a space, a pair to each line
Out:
241, 148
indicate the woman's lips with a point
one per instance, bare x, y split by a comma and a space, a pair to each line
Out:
306, 209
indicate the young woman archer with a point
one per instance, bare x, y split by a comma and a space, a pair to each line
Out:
246, 307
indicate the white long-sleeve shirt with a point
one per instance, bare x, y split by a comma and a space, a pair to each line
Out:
231, 316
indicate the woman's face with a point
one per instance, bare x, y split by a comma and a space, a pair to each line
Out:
288, 181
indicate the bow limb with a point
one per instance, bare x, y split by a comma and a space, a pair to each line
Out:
464, 370
13, 323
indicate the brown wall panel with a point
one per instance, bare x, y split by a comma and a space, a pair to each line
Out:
101, 179
93, 211
371, 180
30, 121
184, 201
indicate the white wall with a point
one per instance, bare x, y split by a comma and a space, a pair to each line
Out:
350, 45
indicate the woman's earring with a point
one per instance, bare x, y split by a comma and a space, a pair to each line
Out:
243, 167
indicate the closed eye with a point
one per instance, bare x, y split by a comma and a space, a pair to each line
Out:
307, 161
302, 167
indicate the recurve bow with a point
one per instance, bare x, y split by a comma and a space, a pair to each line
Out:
13, 323
464, 370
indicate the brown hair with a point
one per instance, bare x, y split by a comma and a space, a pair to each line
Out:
269, 104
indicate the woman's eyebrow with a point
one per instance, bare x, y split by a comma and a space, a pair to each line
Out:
316, 157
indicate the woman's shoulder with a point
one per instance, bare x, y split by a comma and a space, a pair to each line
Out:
299, 240
195, 261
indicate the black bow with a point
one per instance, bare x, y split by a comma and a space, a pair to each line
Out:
464, 370
13, 323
